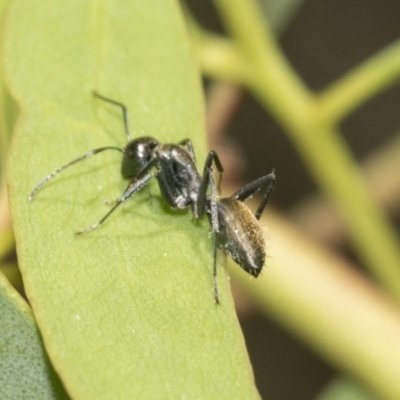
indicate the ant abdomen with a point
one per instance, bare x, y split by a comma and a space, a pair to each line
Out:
240, 235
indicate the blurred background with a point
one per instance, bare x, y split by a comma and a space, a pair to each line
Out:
323, 40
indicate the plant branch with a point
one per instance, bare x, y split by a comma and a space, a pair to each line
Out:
286, 93
218, 56
360, 84
318, 218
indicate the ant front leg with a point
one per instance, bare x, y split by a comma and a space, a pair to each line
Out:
132, 188
204, 200
136, 178
267, 181
65, 166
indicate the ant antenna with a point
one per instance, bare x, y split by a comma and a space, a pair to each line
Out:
124, 112
58, 170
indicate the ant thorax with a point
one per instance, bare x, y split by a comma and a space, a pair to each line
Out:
178, 176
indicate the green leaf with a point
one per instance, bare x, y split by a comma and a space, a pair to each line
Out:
25, 370
126, 311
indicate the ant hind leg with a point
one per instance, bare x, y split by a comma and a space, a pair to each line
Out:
202, 201
207, 181
267, 181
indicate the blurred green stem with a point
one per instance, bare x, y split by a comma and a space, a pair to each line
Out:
219, 57
310, 122
360, 84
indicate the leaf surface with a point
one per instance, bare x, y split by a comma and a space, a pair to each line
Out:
26, 372
126, 311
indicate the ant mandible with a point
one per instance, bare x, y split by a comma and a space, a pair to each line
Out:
236, 230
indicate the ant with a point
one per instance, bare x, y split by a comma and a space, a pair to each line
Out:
236, 230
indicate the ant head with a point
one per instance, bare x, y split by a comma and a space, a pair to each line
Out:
137, 154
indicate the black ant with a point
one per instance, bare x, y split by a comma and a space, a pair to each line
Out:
236, 230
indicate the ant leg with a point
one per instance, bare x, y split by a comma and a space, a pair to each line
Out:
113, 202
206, 182
220, 170
215, 284
124, 112
247, 191
132, 188
58, 170
215, 229
189, 147
142, 172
